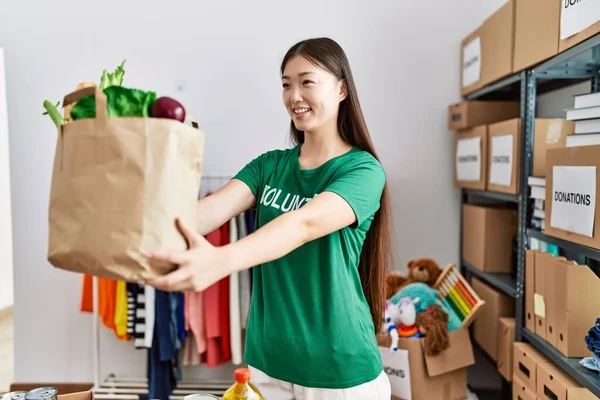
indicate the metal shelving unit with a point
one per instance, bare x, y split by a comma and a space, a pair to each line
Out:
577, 64
503, 282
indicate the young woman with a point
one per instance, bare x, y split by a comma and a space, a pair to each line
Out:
321, 246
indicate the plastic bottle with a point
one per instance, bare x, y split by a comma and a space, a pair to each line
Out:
242, 389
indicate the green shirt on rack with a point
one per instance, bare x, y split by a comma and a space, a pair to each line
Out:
309, 322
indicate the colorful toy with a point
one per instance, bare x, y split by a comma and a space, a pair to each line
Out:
407, 315
433, 325
457, 295
423, 270
389, 326
427, 296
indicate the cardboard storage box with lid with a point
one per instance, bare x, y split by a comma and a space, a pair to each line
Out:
504, 156
573, 194
486, 326
442, 377
487, 237
549, 133
537, 25
469, 114
487, 53
579, 21
470, 163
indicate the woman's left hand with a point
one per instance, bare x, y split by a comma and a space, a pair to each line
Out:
198, 267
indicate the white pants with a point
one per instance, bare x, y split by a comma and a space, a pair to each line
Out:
275, 389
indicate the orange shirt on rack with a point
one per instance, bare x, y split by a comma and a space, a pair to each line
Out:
107, 301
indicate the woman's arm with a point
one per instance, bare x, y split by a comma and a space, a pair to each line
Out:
204, 264
221, 206
324, 214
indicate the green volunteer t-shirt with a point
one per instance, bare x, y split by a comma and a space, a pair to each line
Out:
309, 322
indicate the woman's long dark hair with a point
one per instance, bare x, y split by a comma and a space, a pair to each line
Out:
373, 265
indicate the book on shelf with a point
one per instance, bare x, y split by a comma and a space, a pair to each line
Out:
583, 139
538, 194
586, 116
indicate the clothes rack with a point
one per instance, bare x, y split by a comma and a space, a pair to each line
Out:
130, 387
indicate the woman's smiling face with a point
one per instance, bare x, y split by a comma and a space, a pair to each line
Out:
311, 94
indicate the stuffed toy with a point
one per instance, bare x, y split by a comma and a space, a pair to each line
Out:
389, 324
424, 270
427, 296
420, 270
407, 315
433, 325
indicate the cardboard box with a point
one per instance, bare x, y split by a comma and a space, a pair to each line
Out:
504, 156
525, 364
77, 396
487, 53
506, 340
440, 377
486, 325
535, 290
470, 160
549, 133
554, 384
529, 315
580, 20
469, 114
537, 24
571, 213
522, 391
487, 237
571, 313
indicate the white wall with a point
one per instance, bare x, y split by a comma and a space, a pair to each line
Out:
222, 64
6, 256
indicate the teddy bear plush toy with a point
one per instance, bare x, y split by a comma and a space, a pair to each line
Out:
423, 270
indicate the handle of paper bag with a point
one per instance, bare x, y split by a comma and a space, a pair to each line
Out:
89, 91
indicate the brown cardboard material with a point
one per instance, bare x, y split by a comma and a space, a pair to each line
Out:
441, 377
554, 384
571, 309
510, 127
482, 133
525, 361
497, 35
540, 294
486, 326
113, 195
571, 41
573, 156
529, 289
487, 237
555, 304
77, 396
537, 24
469, 114
522, 391
549, 133
506, 339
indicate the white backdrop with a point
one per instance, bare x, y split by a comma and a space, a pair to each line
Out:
221, 59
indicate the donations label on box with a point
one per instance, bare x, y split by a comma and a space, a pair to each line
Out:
574, 199
396, 367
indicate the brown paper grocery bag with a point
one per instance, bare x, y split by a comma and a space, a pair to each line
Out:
118, 185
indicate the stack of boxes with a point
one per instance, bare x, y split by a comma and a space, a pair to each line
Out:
521, 34
560, 296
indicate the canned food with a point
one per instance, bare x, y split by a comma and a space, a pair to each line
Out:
42, 393
200, 396
16, 395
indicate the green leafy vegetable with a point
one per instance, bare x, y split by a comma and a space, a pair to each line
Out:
120, 102
53, 112
112, 79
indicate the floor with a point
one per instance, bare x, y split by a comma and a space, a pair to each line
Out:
6, 350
